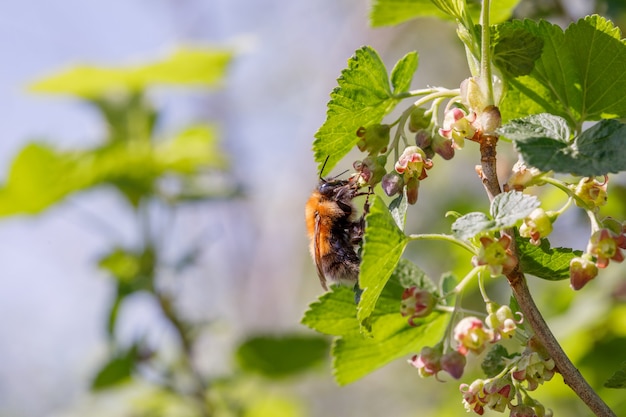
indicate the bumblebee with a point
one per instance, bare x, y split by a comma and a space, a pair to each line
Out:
333, 232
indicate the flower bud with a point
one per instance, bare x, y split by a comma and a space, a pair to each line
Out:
374, 139
581, 271
418, 120
453, 363
392, 183
537, 225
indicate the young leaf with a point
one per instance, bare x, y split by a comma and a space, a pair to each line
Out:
118, 370
197, 67
471, 224
495, 361
515, 49
506, 210
446, 286
544, 262
383, 245
593, 153
537, 125
397, 208
402, 73
281, 356
510, 207
362, 98
410, 275
393, 12
618, 379
580, 76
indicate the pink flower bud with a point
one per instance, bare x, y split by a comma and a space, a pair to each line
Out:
453, 363
581, 271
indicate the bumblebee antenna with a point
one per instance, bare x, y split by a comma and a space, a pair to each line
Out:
323, 166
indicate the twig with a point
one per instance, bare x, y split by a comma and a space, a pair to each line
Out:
532, 315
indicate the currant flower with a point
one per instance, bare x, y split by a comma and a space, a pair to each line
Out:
581, 271
533, 369
428, 362
592, 192
474, 398
537, 225
472, 335
605, 246
412, 165
499, 393
496, 254
371, 169
495, 393
457, 126
521, 177
416, 303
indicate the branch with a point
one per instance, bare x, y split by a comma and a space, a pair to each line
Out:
532, 315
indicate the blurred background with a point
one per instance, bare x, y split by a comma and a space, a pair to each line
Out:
251, 273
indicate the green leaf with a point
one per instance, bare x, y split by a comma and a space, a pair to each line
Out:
410, 275
618, 379
471, 224
593, 153
197, 67
506, 210
515, 49
447, 283
362, 98
41, 176
118, 370
495, 361
580, 76
281, 356
537, 125
397, 208
544, 262
402, 73
356, 355
334, 313
393, 12
510, 207
383, 245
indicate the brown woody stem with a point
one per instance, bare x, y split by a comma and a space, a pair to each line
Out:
532, 315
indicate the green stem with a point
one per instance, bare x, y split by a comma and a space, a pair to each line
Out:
485, 54
445, 238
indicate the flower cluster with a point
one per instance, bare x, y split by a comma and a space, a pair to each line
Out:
493, 393
500, 392
472, 335
534, 369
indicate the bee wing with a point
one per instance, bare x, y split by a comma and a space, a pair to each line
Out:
316, 251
